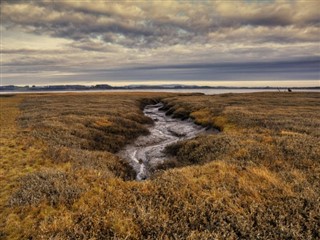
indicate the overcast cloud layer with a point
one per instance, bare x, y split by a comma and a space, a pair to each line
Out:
127, 42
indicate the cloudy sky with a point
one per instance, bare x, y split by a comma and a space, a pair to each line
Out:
225, 43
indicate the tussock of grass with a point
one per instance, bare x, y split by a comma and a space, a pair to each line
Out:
202, 149
103, 162
257, 178
51, 186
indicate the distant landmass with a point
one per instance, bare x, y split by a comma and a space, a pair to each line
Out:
13, 88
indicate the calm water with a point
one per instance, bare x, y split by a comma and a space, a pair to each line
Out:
205, 91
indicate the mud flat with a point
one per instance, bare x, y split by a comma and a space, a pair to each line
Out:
148, 151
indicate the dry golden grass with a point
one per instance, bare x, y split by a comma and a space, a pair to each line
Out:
257, 179
19, 155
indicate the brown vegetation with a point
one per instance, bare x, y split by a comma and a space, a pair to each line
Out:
256, 179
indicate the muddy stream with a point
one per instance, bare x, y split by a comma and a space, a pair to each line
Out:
148, 151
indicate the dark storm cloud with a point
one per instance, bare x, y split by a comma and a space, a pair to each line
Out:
306, 68
25, 51
304, 64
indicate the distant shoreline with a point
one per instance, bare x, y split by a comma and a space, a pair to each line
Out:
206, 91
106, 87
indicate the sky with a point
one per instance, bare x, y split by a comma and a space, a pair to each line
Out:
215, 43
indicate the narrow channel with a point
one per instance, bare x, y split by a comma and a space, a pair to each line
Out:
148, 151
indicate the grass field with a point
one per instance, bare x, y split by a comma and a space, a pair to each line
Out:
258, 178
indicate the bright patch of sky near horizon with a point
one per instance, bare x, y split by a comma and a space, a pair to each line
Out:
217, 43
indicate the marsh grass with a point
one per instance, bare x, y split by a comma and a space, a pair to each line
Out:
54, 187
256, 179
